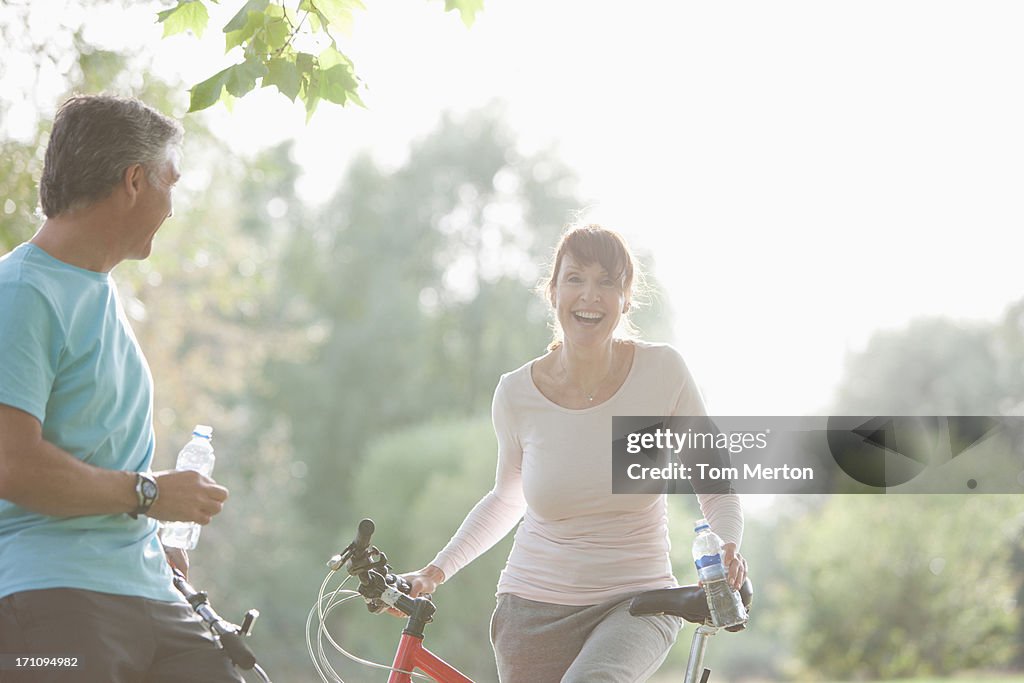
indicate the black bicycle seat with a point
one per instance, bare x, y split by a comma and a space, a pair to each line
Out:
687, 602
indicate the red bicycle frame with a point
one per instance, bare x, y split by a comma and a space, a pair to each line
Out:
412, 655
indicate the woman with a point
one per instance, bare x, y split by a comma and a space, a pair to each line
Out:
581, 553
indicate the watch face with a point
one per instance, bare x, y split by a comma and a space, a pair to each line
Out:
148, 488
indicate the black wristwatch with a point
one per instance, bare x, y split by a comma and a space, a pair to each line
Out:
146, 491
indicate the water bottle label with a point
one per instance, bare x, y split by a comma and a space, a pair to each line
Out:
707, 561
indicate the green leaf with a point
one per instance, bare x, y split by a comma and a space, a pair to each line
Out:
337, 83
304, 62
241, 78
334, 13
467, 9
331, 57
242, 17
253, 23
207, 93
317, 20
311, 96
354, 98
257, 47
314, 22
278, 32
189, 15
311, 102
228, 101
284, 74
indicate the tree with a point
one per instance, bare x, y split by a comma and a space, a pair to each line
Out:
18, 166
415, 285
878, 584
74, 64
933, 367
417, 484
200, 309
916, 563
269, 34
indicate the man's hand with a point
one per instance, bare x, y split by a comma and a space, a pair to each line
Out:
178, 559
187, 496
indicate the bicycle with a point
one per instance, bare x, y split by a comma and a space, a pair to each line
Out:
380, 589
230, 635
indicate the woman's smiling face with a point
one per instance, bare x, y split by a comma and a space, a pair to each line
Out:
588, 302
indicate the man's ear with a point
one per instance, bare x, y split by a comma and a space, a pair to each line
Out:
132, 180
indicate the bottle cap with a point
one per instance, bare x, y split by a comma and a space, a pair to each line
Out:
204, 431
700, 525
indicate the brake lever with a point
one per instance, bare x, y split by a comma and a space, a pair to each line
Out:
377, 584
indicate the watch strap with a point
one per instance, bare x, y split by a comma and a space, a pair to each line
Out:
146, 493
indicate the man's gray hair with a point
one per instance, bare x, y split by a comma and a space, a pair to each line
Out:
94, 139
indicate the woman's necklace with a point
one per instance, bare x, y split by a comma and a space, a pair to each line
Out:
592, 392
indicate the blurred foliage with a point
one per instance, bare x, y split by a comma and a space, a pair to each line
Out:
892, 586
208, 329
346, 357
274, 39
20, 168
417, 485
65, 57
199, 308
309, 337
943, 368
414, 286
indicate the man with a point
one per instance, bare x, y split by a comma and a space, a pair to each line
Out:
82, 572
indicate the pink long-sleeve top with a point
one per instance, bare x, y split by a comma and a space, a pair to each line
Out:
578, 543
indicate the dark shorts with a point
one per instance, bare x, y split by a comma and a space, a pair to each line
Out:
108, 638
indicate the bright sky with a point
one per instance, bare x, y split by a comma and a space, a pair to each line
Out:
805, 172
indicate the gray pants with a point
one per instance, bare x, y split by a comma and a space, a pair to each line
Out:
537, 642
112, 638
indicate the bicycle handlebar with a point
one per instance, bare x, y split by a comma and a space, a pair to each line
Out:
230, 634
379, 586
364, 533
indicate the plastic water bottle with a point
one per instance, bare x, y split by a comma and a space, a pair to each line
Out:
196, 455
725, 603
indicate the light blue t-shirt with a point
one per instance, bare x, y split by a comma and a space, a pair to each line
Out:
68, 357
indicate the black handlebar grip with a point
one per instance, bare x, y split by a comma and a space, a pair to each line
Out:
366, 529
401, 584
238, 651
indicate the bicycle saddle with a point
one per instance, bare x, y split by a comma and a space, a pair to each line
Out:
687, 602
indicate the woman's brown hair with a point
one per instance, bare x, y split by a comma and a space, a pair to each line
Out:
594, 244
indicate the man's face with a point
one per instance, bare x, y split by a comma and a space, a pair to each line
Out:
154, 205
